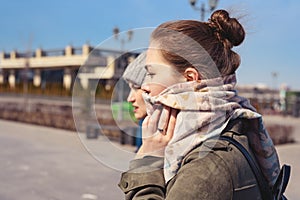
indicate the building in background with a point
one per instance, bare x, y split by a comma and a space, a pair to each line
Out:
52, 72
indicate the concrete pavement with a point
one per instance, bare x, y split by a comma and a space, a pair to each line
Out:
289, 153
39, 163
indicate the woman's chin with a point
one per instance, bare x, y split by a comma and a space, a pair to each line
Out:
137, 116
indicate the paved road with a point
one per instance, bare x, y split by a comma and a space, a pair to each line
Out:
39, 163
290, 153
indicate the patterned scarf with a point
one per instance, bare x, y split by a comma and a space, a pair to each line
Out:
206, 107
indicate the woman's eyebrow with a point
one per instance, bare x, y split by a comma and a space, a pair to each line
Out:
147, 67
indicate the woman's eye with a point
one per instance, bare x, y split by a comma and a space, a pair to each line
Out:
150, 74
136, 87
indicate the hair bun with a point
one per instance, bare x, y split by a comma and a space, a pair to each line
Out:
227, 28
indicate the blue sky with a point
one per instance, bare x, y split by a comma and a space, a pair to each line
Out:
272, 42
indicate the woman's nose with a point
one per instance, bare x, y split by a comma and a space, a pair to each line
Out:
130, 97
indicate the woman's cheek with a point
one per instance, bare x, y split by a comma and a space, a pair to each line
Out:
156, 88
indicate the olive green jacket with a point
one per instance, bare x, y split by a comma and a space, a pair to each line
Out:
214, 170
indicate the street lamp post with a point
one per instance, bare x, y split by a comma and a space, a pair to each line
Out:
212, 6
25, 84
116, 32
274, 77
274, 84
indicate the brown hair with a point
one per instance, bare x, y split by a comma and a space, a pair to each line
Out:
216, 37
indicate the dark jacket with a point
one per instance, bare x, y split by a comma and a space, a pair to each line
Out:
214, 170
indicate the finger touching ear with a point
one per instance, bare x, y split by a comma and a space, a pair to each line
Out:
171, 123
164, 119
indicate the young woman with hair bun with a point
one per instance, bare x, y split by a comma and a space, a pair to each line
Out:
191, 101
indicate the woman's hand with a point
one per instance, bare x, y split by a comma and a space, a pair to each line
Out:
157, 131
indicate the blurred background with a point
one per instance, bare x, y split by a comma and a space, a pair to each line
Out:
54, 53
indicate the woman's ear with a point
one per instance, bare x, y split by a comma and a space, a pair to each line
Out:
191, 74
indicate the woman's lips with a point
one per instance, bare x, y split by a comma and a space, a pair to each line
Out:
135, 109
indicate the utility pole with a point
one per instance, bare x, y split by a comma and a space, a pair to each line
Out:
202, 9
123, 40
26, 76
274, 85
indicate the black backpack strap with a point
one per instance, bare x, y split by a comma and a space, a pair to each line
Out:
265, 191
281, 182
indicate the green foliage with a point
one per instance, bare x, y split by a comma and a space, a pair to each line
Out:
127, 111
